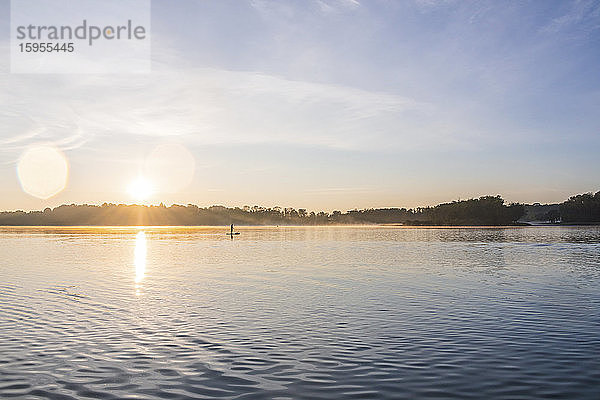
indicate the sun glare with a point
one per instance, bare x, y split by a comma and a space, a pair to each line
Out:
141, 189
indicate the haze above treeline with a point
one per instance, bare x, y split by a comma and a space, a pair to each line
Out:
486, 210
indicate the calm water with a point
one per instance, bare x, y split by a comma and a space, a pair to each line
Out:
301, 313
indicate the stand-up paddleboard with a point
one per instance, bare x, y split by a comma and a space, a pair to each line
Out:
231, 232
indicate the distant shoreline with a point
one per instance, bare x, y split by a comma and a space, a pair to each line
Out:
304, 226
483, 211
486, 210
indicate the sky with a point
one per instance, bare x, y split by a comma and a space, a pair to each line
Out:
323, 104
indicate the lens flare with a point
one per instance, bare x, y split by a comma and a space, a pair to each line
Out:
43, 171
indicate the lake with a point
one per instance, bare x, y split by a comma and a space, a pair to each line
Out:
300, 312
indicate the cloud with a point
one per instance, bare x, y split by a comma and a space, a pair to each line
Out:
335, 6
581, 15
35, 109
211, 106
208, 106
288, 10
428, 5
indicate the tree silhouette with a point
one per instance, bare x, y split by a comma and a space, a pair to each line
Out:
487, 210
583, 208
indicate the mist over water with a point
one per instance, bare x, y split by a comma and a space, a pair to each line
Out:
300, 312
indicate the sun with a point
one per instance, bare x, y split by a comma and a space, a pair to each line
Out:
141, 189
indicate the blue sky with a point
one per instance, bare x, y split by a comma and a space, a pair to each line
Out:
330, 104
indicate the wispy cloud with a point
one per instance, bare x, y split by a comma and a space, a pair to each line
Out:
581, 15
335, 6
210, 106
428, 5
285, 9
224, 106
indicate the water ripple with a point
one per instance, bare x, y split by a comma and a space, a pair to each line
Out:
302, 313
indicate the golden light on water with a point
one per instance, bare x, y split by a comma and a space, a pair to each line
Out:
140, 258
43, 171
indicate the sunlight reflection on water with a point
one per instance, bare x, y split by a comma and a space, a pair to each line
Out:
140, 260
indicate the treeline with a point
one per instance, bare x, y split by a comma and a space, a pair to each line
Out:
487, 210
583, 208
